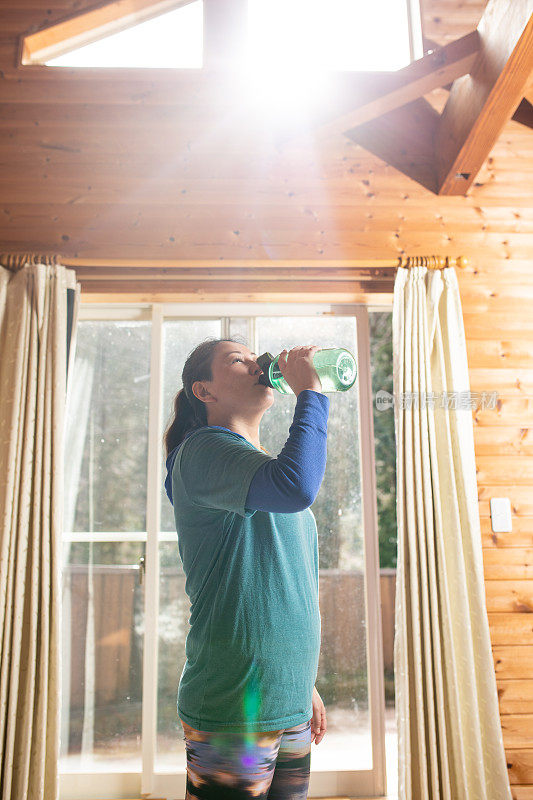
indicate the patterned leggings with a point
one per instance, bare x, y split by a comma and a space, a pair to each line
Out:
241, 766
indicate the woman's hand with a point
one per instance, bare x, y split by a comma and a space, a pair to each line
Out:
298, 369
318, 720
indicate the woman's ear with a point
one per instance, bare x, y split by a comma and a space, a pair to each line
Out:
201, 391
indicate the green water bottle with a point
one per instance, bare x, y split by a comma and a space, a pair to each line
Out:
336, 368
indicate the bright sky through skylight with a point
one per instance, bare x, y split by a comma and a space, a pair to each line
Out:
329, 34
284, 35
173, 39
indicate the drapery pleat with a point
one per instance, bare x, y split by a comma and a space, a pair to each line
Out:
450, 744
38, 310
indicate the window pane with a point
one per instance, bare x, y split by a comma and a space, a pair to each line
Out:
342, 679
380, 324
103, 612
328, 34
173, 39
107, 428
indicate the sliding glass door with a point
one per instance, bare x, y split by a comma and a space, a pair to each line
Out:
134, 606
106, 438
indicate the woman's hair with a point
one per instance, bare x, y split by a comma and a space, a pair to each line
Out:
189, 412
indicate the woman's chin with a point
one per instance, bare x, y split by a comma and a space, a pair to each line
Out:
268, 396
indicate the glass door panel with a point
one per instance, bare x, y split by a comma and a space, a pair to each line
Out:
103, 607
106, 441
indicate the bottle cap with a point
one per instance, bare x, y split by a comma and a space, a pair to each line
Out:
264, 362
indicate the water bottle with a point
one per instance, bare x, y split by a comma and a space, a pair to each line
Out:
336, 368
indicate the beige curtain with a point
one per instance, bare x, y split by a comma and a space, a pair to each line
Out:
450, 743
38, 313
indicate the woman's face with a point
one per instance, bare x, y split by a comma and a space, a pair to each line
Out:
235, 384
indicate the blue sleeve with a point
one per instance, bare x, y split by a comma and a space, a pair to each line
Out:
290, 482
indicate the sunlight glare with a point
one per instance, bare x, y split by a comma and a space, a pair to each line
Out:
292, 44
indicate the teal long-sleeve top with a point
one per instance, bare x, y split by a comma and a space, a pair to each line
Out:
251, 574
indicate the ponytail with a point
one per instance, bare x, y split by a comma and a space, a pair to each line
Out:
185, 420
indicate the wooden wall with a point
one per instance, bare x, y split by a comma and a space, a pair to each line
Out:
139, 172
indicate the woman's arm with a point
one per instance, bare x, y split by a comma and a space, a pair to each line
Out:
290, 482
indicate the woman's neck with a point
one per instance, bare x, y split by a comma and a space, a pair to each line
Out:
246, 427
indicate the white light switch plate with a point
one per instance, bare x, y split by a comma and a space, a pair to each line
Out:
500, 512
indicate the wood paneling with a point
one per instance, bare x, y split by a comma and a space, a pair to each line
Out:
141, 169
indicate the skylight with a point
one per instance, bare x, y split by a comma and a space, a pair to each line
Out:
282, 35
329, 34
172, 40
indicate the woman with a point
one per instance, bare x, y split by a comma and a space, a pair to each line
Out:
248, 543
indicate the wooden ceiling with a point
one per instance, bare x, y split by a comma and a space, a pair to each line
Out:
487, 72
150, 168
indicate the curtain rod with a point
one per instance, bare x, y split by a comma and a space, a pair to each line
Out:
15, 261
434, 262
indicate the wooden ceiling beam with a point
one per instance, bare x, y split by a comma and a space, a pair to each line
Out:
451, 147
78, 30
529, 91
481, 103
389, 90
